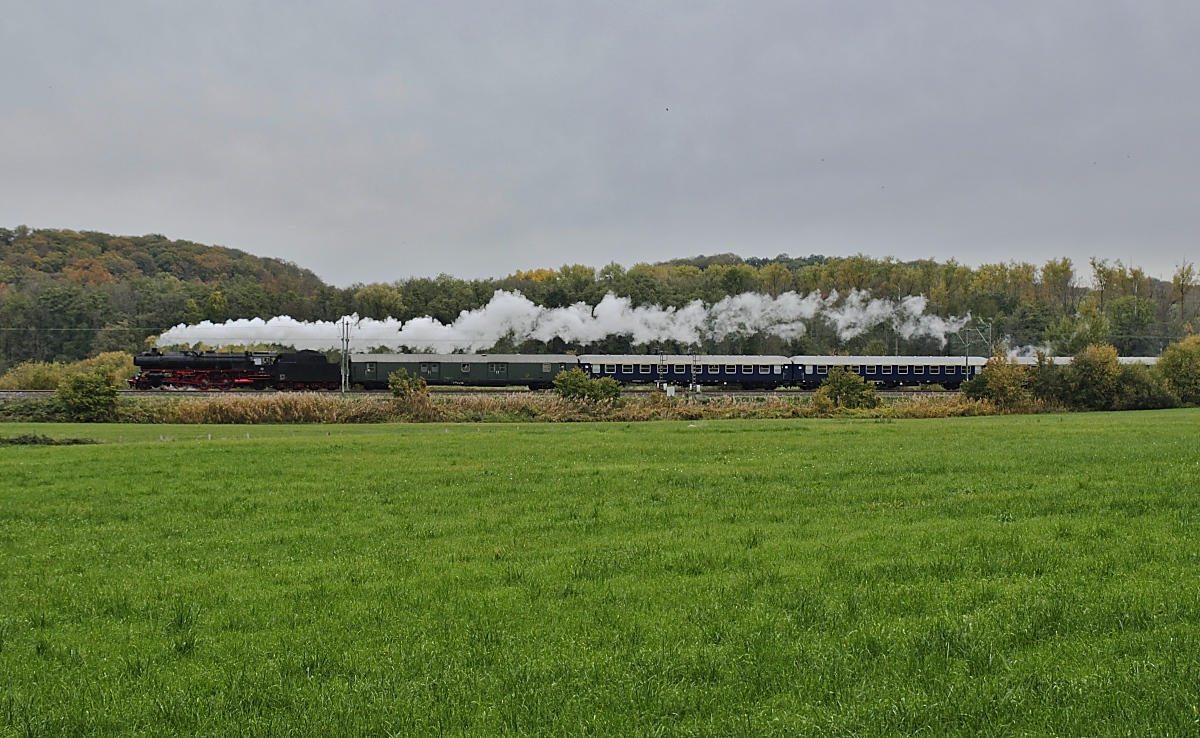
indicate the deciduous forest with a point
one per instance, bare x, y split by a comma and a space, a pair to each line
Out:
67, 295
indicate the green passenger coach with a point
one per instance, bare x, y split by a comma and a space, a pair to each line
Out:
476, 370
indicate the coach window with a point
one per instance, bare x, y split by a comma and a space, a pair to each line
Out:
935, 369
644, 368
627, 368
545, 367
902, 370
610, 368
747, 369
822, 370
918, 370
887, 370
712, 369
371, 367
856, 369
778, 369
730, 369
466, 368
764, 369
677, 369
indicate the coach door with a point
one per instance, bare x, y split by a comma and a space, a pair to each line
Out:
497, 370
431, 370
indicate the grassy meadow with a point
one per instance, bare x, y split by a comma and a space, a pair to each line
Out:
1018, 575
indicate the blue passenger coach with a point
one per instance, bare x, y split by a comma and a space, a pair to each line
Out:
890, 371
750, 372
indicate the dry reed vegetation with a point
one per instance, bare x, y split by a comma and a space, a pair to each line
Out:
322, 408
300, 407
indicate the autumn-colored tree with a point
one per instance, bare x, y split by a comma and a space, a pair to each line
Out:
575, 384
1182, 284
88, 272
844, 388
776, 279
1103, 276
192, 314
1058, 285
1180, 368
1091, 378
89, 398
1074, 333
217, 308
378, 301
1130, 318
411, 393
1003, 382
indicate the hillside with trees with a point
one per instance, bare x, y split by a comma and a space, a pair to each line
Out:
67, 295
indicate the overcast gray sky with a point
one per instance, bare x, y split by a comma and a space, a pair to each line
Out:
377, 140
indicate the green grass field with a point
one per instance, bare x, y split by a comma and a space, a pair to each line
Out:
1033, 575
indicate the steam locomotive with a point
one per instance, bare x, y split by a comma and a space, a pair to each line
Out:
211, 370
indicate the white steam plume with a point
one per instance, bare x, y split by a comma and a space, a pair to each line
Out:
787, 316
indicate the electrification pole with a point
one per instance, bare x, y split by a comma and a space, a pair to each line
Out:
345, 354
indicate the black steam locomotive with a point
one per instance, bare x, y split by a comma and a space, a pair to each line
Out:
211, 370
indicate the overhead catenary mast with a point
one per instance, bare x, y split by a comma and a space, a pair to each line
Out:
345, 341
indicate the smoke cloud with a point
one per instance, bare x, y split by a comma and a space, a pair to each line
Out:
511, 313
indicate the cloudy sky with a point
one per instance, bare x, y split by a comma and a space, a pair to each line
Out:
378, 140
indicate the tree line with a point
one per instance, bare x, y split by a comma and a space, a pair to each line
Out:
1094, 379
67, 295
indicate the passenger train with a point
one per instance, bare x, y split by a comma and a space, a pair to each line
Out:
311, 370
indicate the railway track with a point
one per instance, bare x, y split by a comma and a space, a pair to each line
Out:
449, 393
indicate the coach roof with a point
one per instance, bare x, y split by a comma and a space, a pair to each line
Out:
682, 359
889, 360
468, 358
